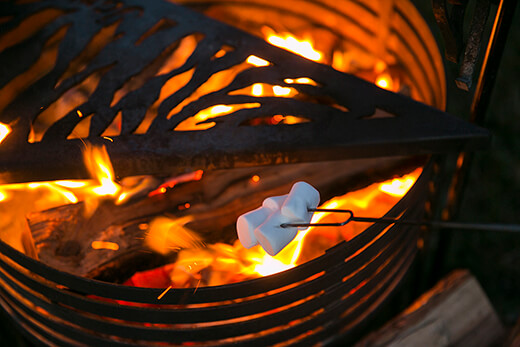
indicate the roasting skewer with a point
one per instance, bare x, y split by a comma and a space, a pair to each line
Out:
436, 224
275, 224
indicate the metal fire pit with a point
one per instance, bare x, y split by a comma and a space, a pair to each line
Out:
46, 52
324, 300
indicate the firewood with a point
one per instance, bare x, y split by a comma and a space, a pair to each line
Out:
63, 236
456, 312
229, 194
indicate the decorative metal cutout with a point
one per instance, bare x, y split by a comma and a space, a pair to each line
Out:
138, 72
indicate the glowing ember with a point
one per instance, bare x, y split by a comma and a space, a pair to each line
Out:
217, 264
268, 266
172, 182
384, 81
4, 131
105, 245
164, 293
166, 235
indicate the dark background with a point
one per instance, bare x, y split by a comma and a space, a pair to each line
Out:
492, 194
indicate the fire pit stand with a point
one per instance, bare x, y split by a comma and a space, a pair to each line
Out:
319, 300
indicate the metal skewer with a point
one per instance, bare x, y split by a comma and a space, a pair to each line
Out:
514, 228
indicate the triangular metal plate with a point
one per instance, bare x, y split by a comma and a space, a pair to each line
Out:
132, 37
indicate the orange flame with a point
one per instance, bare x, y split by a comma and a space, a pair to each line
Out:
229, 263
257, 61
99, 166
223, 263
21, 199
4, 131
398, 186
289, 42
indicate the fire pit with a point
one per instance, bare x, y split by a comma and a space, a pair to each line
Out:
167, 91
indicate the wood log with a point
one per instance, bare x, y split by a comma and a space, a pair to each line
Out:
456, 312
229, 193
63, 236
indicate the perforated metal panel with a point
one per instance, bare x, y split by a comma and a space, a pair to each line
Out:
108, 57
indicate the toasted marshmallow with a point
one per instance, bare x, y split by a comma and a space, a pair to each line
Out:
272, 236
248, 222
301, 198
274, 203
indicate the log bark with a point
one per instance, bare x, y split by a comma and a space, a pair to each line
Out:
456, 312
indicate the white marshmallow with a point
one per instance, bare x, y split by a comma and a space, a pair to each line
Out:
248, 222
274, 203
300, 199
272, 237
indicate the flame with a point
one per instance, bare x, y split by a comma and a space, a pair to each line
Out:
398, 186
20, 199
164, 293
4, 131
300, 80
257, 61
99, 166
217, 264
304, 47
232, 263
166, 234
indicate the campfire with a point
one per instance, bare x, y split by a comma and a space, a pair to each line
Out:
125, 176
221, 263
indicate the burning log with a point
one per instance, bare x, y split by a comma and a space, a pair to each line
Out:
229, 193
113, 236
68, 239
456, 312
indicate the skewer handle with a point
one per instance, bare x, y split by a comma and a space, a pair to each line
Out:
512, 228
